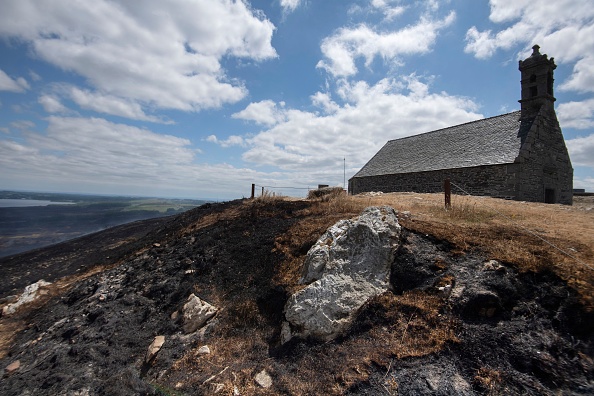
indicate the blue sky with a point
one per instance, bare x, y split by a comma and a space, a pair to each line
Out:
203, 98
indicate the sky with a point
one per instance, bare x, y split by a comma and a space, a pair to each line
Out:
202, 98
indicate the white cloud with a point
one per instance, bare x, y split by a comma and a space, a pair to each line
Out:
232, 140
265, 112
52, 104
579, 115
23, 125
95, 155
162, 54
586, 183
311, 144
19, 85
388, 8
34, 76
347, 44
108, 104
581, 151
290, 5
563, 27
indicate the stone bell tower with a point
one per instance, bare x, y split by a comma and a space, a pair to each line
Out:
537, 83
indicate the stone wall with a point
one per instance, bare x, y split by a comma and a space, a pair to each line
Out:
545, 163
491, 180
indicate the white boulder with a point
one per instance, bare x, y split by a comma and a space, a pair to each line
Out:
349, 264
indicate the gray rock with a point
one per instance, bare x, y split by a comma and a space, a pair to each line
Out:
263, 379
203, 350
154, 348
30, 294
196, 313
348, 265
12, 367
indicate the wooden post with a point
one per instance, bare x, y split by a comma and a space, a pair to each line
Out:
262, 191
253, 190
447, 189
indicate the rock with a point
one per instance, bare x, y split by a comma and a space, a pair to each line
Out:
493, 265
363, 247
196, 313
154, 348
349, 264
12, 367
29, 294
445, 291
263, 379
203, 350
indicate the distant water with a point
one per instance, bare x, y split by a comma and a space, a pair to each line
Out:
22, 203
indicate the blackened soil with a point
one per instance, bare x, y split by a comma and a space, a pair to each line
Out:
517, 333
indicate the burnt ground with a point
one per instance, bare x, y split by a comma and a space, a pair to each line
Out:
489, 330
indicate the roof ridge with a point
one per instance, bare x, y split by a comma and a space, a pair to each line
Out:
455, 126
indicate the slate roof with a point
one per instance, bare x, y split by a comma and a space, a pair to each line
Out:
490, 141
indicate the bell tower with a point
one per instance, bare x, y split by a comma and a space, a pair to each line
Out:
537, 83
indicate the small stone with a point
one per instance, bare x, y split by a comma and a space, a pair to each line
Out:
175, 315
203, 350
263, 379
235, 391
445, 291
154, 348
12, 367
493, 265
196, 313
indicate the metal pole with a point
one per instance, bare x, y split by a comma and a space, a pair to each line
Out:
344, 174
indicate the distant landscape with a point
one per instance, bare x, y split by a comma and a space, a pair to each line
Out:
67, 216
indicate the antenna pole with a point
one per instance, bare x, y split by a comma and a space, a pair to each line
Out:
344, 174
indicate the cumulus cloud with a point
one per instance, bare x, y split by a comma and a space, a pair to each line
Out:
109, 104
155, 53
579, 115
19, 85
390, 8
232, 140
52, 104
101, 156
345, 46
581, 151
551, 24
565, 28
265, 112
586, 183
307, 142
290, 5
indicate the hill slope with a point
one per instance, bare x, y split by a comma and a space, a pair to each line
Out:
532, 334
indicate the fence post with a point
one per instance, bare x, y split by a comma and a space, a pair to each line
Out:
253, 190
447, 189
262, 191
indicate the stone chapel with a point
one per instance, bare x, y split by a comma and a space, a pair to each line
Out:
519, 155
